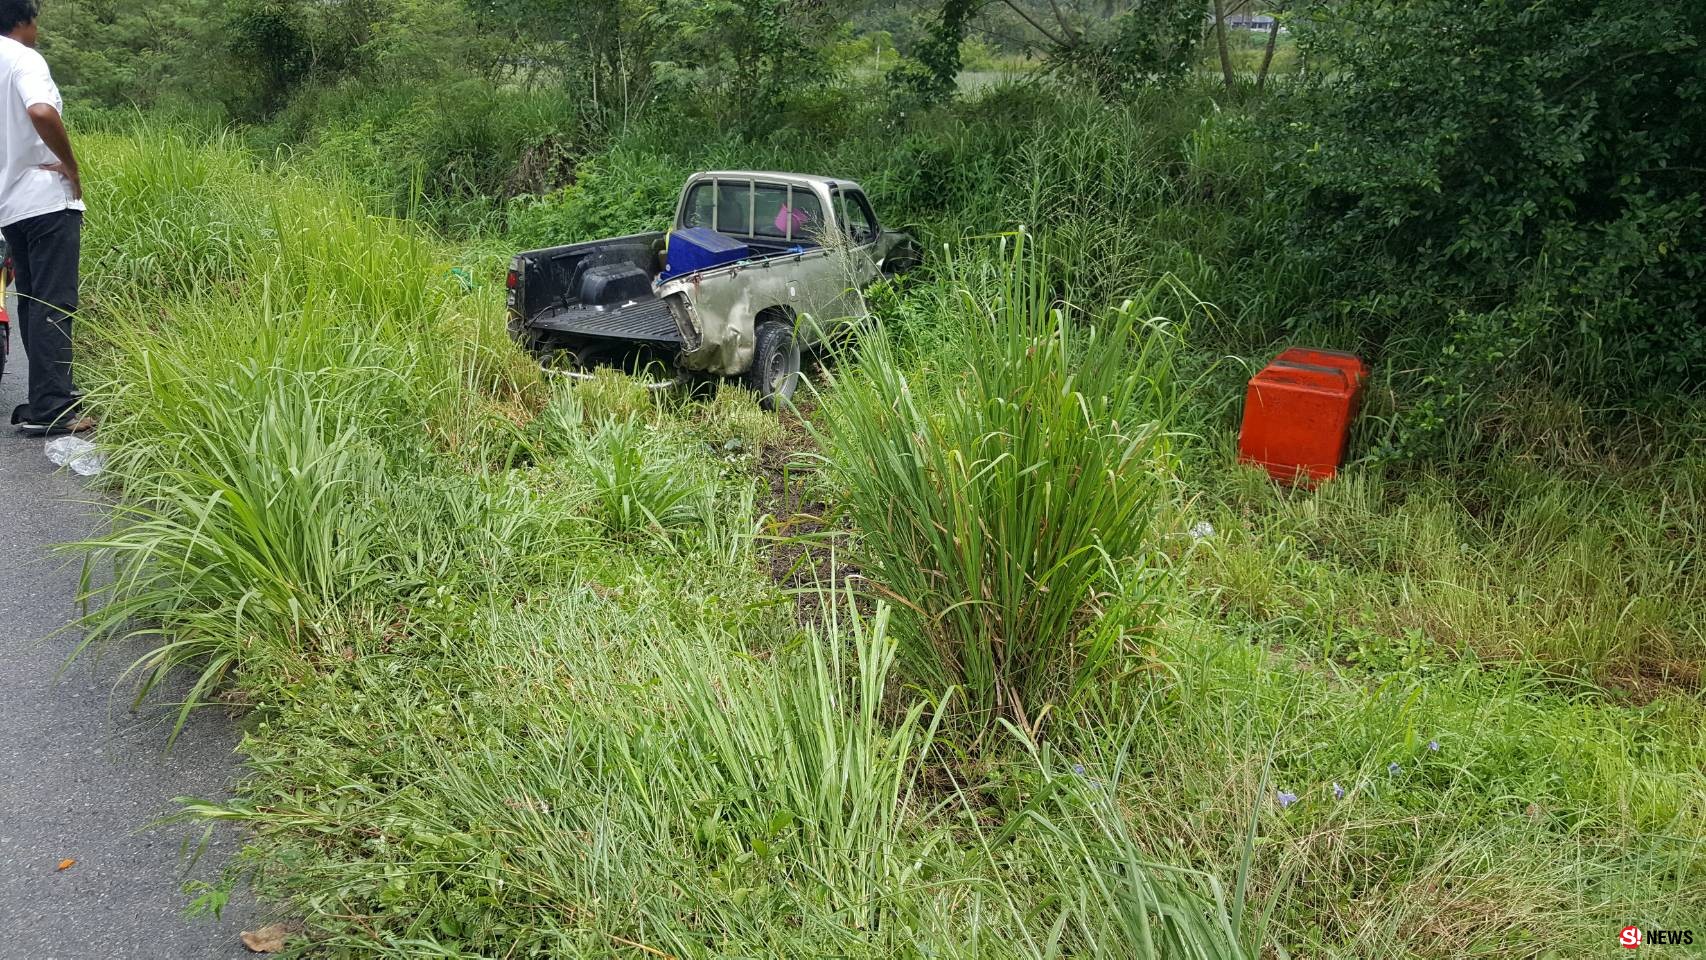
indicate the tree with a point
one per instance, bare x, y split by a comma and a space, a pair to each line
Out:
933, 72
118, 54
272, 35
755, 55
1226, 73
1109, 46
1268, 54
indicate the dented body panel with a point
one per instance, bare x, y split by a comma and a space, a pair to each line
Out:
723, 306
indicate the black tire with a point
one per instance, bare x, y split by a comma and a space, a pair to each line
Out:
775, 371
906, 257
901, 264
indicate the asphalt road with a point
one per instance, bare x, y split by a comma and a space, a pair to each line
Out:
82, 776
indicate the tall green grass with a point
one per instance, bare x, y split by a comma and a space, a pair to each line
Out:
264, 354
1009, 508
1593, 576
518, 681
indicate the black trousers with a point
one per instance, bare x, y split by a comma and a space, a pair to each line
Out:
45, 252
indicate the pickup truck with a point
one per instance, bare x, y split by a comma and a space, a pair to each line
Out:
757, 266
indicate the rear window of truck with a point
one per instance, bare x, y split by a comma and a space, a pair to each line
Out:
787, 214
745, 209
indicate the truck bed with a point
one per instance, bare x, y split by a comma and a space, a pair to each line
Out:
552, 290
643, 321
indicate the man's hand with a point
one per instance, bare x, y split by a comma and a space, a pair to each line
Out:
51, 129
70, 174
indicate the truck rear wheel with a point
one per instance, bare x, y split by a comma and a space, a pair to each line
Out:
775, 371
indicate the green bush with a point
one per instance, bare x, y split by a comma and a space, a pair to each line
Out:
616, 193
127, 56
1155, 41
639, 485
449, 152
1508, 189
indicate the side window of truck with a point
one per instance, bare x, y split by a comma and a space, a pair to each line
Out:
856, 216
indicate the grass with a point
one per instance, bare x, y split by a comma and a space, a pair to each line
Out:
515, 681
1595, 579
508, 654
1009, 510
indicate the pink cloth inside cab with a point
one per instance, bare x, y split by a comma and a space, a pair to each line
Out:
799, 218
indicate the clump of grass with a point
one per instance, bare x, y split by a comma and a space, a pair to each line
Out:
264, 534
639, 484
1008, 511
803, 757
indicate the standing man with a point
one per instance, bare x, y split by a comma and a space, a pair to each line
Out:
41, 215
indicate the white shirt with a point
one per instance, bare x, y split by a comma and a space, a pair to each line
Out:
26, 190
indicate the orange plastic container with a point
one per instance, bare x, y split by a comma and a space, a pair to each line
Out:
1298, 413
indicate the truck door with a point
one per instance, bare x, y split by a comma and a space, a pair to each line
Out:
791, 218
854, 256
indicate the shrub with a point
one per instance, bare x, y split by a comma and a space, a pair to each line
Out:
1510, 185
450, 152
614, 194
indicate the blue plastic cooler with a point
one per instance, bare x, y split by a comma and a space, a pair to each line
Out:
701, 248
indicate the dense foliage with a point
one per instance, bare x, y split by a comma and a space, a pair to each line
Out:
1515, 185
1156, 41
105, 52
1492, 200
518, 677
